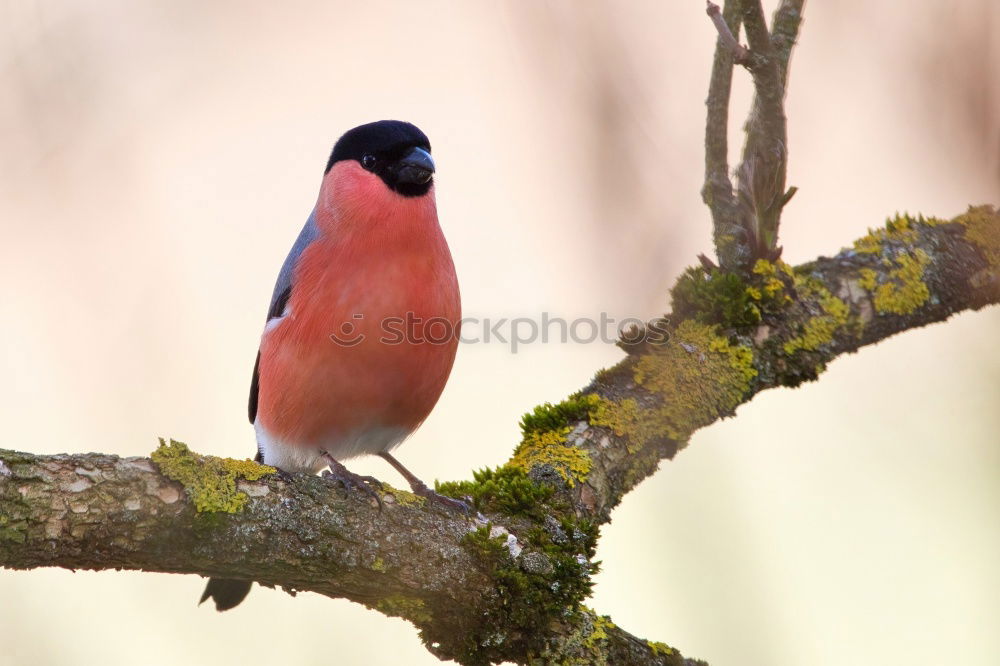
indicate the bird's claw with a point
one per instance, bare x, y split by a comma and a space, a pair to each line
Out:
287, 477
351, 481
433, 496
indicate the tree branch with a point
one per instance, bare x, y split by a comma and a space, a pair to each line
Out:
730, 340
745, 228
731, 247
453, 576
784, 29
762, 171
740, 54
507, 586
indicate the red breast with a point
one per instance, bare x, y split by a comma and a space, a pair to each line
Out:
380, 279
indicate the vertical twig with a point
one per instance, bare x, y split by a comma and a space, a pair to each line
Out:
746, 225
784, 29
762, 171
717, 193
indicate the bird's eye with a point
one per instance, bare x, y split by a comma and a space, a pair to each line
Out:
368, 162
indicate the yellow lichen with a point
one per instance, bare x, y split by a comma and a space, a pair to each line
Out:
868, 279
659, 649
767, 268
870, 244
820, 329
614, 415
551, 448
898, 228
600, 632
404, 497
906, 291
408, 608
982, 227
771, 287
378, 565
210, 482
625, 418
618, 416
699, 377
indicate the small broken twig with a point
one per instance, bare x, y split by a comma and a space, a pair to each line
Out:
741, 54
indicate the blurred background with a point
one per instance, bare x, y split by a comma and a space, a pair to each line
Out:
158, 158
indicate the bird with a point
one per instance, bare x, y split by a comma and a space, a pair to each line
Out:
364, 321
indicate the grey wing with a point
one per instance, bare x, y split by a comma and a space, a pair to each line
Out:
279, 299
284, 284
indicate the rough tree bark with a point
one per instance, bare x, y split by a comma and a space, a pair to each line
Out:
508, 583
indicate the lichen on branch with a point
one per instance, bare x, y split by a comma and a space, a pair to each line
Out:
508, 584
210, 482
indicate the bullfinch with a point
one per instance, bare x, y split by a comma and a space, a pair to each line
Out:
363, 324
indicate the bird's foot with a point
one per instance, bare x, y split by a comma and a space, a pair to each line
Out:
287, 477
351, 481
420, 488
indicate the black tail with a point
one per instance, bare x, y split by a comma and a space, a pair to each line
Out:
226, 593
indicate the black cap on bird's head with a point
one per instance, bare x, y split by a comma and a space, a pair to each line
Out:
397, 152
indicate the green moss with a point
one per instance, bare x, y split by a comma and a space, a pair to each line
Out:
379, 565
505, 489
524, 601
714, 297
210, 482
549, 417
508, 489
820, 329
522, 595
905, 291
733, 301
408, 608
544, 439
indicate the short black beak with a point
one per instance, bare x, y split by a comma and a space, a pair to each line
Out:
416, 167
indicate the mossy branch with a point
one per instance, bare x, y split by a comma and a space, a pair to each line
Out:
507, 586
479, 590
732, 338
